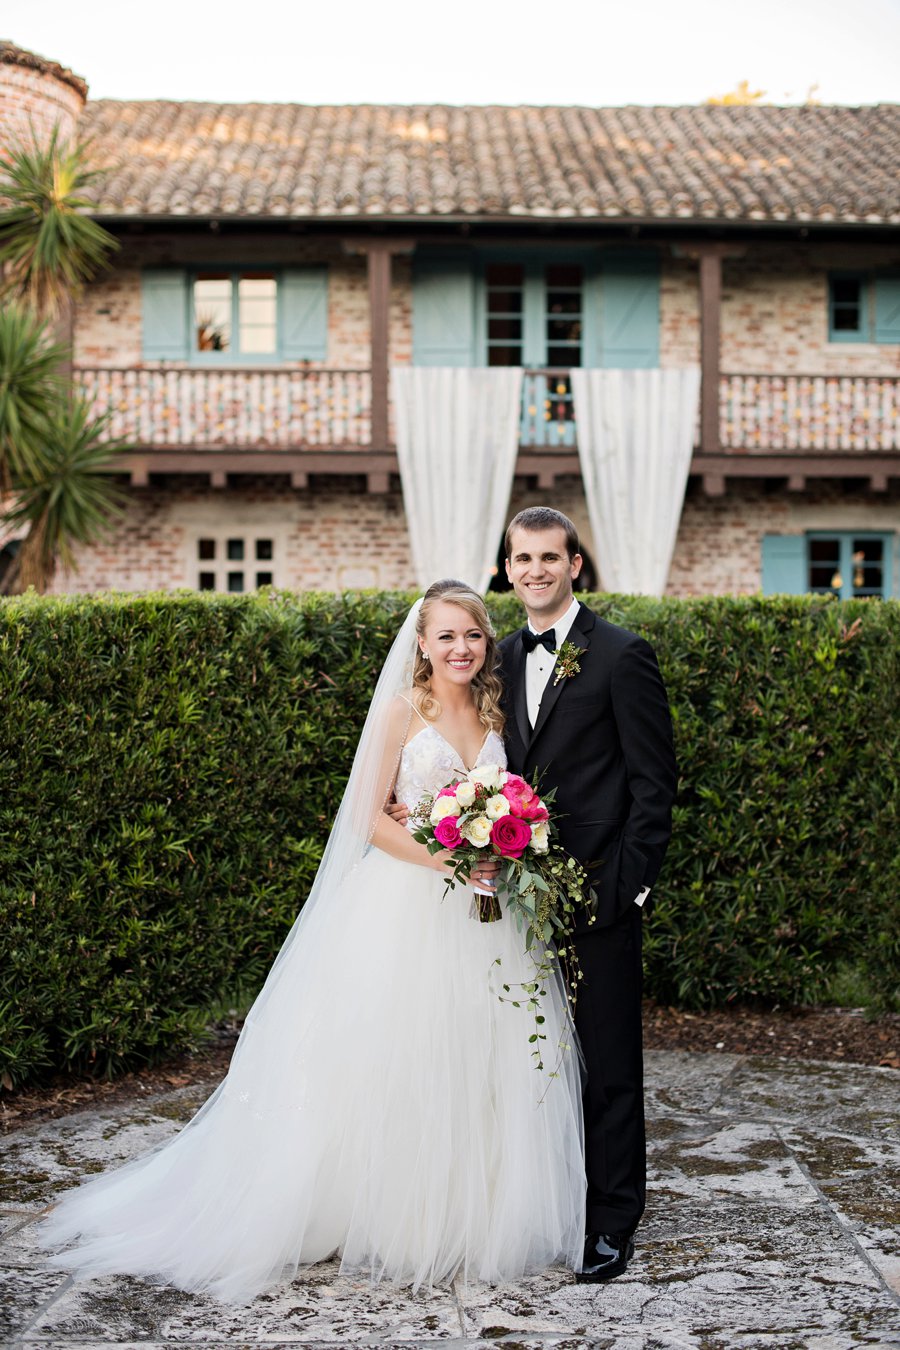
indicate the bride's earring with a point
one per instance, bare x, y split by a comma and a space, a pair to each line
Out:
425, 656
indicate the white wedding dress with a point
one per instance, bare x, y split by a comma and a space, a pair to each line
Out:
382, 1103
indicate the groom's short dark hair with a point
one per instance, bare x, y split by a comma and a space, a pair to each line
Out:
543, 518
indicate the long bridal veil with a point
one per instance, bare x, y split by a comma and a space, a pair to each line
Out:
124, 1220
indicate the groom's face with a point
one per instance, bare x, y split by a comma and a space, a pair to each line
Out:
542, 573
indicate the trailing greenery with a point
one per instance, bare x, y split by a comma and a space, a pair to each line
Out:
169, 767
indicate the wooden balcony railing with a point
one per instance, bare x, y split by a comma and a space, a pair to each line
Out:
297, 409
839, 413
249, 408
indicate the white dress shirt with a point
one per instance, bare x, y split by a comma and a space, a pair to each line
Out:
538, 667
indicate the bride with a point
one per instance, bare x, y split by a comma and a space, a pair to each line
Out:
382, 1102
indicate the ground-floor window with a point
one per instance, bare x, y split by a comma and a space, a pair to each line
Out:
234, 563
849, 564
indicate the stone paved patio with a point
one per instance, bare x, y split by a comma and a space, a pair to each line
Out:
773, 1222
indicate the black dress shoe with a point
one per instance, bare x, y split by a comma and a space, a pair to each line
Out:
605, 1257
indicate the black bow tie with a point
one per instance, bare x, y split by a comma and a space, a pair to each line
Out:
531, 640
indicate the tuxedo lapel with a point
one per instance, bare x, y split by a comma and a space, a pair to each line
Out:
520, 701
584, 620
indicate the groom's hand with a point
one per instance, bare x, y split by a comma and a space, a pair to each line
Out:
397, 811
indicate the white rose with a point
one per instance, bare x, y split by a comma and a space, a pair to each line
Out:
496, 807
540, 837
444, 806
477, 831
465, 793
490, 776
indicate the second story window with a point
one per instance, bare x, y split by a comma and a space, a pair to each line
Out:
235, 312
846, 309
505, 291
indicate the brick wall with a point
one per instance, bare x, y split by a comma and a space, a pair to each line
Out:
33, 97
774, 304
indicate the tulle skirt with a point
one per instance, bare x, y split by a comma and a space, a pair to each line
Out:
382, 1103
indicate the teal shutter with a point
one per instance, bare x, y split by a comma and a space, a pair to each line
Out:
887, 309
304, 313
443, 312
164, 313
784, 564
629, 311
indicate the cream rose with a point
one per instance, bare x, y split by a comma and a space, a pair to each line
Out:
490, 776
443, 807
540, 837
496, 807
465, 793
477, 831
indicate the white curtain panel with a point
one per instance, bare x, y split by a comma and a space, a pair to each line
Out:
457, 441
635, 438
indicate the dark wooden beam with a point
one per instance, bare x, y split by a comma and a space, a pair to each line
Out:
710, 348
544, 465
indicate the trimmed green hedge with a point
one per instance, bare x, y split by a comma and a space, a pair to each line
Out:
169, 766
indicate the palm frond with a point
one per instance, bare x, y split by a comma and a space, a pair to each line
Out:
48, 244
31, 390
68, 496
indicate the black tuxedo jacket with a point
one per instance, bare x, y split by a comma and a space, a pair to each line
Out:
603, 739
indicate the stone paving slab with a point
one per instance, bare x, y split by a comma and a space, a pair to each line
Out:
773, 1220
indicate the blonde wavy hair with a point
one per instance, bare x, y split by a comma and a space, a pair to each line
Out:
486, 686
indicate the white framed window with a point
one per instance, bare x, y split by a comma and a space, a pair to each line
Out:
233, 562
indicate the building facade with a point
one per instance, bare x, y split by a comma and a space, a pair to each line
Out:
276, 260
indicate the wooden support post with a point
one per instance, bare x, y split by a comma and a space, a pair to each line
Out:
710, 328
379, 312
218, 478
797, 482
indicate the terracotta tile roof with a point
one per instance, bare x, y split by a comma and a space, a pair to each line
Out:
11, 55
708, 163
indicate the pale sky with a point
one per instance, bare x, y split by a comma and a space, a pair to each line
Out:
469, 51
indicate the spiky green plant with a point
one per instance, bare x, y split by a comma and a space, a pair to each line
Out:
67, 495
31, 389
49, 247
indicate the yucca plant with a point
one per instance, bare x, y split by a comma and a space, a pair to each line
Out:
31, 390
49, 246
65, 497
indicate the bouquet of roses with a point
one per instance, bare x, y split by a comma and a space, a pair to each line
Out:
492, 811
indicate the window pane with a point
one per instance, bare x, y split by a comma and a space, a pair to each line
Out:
505, 274
846, 290
564, 356
212, 312
264, 550
505, 330
845, 319
235, 551
561, 275
264, 578
564, 302
206, 549
235, 581
504, 302
207, 581
257, 313
504, 356
564, 330
825, 550
868, 571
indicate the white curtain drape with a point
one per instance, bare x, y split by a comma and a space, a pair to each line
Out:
635, 438
457, 440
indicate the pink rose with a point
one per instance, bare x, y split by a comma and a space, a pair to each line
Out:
446, 832
510, 836
449, 791
535, 811
517, 793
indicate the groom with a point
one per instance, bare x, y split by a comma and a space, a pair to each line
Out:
594, 723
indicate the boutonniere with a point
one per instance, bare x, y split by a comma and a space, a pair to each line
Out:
568, 661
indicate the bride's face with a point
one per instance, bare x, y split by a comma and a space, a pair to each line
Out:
455, 644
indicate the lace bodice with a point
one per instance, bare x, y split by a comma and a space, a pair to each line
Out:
428, 763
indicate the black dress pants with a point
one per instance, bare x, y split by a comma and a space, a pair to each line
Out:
608, 1021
